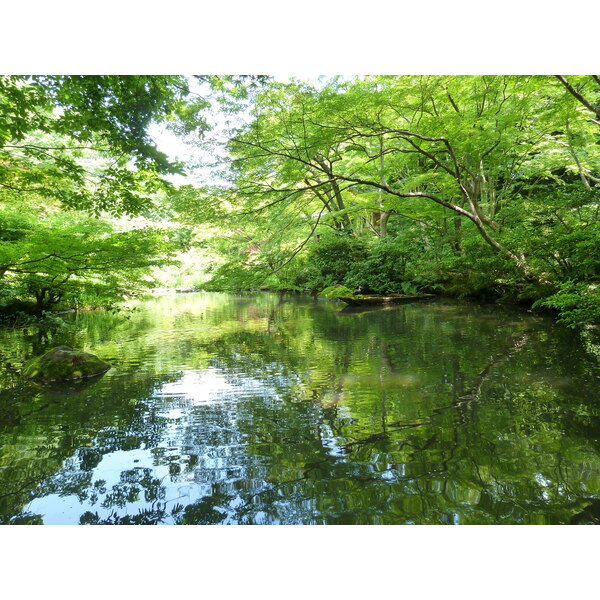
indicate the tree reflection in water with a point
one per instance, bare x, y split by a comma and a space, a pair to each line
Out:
266, 409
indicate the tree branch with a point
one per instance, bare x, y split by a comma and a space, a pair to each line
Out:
576, 94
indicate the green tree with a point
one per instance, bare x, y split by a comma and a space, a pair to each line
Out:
83, 140
76, 259
484, 183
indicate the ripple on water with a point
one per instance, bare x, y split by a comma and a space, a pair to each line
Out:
269, 409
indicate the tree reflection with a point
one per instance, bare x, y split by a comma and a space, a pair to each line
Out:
428, 414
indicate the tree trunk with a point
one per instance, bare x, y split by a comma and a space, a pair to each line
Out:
383, 222
456, 241
40, 301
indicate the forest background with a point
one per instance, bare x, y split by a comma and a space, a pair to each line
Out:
471, 186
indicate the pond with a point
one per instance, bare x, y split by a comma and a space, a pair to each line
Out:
282, 409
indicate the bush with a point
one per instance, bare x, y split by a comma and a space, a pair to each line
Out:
333, 257
383, 270
336, 291
578, 304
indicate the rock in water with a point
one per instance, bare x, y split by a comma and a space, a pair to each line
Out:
64, 364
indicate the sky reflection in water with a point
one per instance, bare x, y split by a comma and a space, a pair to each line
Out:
262, 408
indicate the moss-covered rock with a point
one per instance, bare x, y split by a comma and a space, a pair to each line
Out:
64, 364
335, 291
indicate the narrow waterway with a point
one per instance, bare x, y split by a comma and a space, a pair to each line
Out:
265, 408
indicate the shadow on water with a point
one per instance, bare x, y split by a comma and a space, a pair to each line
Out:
276, 409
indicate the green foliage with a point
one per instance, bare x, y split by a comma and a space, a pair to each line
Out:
409, 287
578, 304
70, 259
237, 276
336, 291
333, 257
84, 141
482, 186
383, 270
81, 143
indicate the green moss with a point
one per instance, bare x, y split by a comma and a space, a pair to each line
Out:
62, 364
336, 291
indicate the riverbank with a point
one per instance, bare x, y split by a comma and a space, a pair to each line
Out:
576, 310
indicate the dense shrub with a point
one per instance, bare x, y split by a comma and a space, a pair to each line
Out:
577, 304
336, 291
382, 271
333, 257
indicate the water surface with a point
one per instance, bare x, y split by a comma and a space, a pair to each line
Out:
264, 408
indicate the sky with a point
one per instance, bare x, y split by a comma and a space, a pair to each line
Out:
194, 154
191, 153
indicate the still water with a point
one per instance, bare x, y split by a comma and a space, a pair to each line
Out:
264, 408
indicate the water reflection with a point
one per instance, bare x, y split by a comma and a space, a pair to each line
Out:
279, 409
